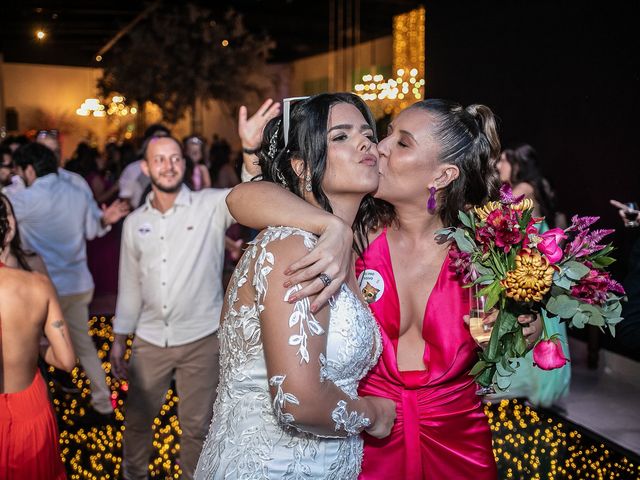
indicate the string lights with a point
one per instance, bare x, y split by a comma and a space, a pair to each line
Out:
389, 96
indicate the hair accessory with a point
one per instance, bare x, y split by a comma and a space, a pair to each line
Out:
286, 114
307, 182
273, 142
431, 203
281, 179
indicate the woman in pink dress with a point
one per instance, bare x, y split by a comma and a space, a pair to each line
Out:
437, 158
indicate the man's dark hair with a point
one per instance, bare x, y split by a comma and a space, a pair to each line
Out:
156, 130
147, 142
41, 158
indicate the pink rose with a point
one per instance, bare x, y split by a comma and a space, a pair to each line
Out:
548, 354
548, 246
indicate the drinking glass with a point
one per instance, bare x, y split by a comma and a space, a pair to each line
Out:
480, 332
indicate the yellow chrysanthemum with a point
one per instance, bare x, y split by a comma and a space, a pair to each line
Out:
531, 278
484, 211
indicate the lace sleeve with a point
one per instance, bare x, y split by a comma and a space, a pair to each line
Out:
294, 343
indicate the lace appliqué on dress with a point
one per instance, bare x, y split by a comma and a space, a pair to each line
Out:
302, 315
352, 423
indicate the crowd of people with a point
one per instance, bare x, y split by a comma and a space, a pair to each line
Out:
340, 349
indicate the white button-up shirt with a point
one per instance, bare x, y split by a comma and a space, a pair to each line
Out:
170, 279
55, 218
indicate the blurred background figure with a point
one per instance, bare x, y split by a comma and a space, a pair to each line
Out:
196, 174
222, 168
628, 331
519, 168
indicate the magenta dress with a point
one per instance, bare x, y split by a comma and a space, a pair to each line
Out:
441, 430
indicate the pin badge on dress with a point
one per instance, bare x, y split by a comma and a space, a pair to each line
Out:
371, 285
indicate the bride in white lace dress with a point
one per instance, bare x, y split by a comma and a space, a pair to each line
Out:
287, 405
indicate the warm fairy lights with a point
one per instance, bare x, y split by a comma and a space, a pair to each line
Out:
407, 85
527, 444
117, 107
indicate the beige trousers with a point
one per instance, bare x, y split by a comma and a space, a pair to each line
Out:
75, 309
151, 368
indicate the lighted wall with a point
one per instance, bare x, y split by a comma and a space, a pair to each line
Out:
314, 74
47, 96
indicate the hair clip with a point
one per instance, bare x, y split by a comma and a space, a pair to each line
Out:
273, 142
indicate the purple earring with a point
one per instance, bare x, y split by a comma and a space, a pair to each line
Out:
431, 203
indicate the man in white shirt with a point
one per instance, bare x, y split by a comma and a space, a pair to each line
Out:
170, 295
55, 219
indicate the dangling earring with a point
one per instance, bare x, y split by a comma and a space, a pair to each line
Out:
431, 203
307, 182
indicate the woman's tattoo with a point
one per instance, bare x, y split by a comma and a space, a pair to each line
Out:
59, 324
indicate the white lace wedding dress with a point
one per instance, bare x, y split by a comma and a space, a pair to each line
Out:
254, 433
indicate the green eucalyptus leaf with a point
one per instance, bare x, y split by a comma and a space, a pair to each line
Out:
575, 270
478, 367
463, 241
466, 221
563, 306
503, 383
485, 379
562, 281
579, 320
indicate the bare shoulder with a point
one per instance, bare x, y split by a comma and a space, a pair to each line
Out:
523, 188
21, 284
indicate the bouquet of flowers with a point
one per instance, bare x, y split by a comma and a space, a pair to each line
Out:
518, 269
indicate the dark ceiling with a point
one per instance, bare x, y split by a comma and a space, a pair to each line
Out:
77, 30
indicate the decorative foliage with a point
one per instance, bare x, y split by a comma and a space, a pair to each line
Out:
181, 54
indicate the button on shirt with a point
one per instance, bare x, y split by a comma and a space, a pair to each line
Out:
55, 218
170, 279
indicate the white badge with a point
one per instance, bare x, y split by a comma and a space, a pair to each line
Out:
144, 229
371, 285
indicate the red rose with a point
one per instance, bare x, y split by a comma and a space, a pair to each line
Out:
548, 354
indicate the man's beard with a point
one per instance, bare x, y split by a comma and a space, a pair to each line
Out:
165, 189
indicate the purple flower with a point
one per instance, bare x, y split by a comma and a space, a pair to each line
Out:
459, 262
582, 223
593, 288
506, 195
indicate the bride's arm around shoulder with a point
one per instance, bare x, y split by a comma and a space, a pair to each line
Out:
295, 342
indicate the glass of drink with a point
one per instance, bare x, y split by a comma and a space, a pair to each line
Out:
631, 214
480, 332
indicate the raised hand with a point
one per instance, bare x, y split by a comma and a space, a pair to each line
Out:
114, 212
250, 129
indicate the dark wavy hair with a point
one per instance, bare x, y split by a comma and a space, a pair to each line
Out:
468, 139
15, 246
308, 142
